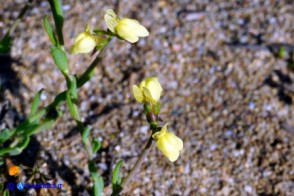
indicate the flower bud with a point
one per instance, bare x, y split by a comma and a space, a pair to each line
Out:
84, 43
149, 90
168, 143
125, 28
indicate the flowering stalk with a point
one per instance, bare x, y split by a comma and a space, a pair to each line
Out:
148, 93
135, 167
90, 148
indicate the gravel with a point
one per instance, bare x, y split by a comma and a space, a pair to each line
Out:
227, 94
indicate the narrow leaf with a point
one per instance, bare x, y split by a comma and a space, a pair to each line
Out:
96, 144
36, 102
85, 133
73, 88
20, 147
98, 186
97, 180
6, 192
281, 52
46, 124
49, 31
116, 179
5, 134
60, 59
73, 110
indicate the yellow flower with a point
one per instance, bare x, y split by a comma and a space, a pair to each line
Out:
148, 91
169, 144
84, 43
125, 28
14, 170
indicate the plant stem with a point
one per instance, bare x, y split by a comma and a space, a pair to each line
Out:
58, 99
137, 164
97, 188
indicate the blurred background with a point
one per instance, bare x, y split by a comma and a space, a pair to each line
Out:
226, 68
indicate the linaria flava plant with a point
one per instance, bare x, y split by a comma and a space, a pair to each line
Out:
14, 141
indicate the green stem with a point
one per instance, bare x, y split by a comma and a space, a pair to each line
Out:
90, 71
137, 165
57, 13
58, 99
85, 139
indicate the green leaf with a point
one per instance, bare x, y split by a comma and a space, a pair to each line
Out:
96, 144
20, 146
46, 124
73, 88
97, 180
4, 151
5, 44
6, 192
5, 134
85, 133
60, 59
98, 187
72, 107
57, 13
281, 52
36, 102
49, 31
116, 179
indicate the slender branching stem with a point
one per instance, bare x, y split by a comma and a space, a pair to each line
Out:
137, 164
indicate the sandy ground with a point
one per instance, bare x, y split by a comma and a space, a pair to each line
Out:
227, 94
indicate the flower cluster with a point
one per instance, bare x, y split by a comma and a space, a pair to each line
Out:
149, 90
148, 93
125, 28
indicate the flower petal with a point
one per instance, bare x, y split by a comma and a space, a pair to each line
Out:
84, 43
167, 149
130, 30
155, 89
147, 95
138, 94
180, 144
111, 20
140, 30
